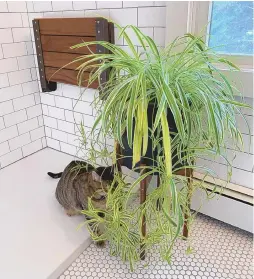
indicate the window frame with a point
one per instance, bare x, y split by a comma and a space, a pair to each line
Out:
192, 17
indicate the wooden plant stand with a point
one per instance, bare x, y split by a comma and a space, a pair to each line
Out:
143, 192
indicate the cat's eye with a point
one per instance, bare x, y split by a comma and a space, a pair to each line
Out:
102, 198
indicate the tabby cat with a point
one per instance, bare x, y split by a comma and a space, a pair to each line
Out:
78, 182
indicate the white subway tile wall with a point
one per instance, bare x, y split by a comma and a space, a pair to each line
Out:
21, 124
51, 118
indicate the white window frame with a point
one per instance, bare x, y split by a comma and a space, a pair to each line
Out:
192, 17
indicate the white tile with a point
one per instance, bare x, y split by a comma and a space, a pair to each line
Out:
32, 147
62, 5
62, 102
160, 3
66, 126
241, 177
11, 92
109, 4
47, 99
37, 133
56, 113
10, 158
15, 117
48, 132
26, 62
34, 74
21, 34
84, 5
88, 120
30, 6
159, 36
14, 49
50, 122
53, 14
45, 109
58, 91
53, 143
4, 148
34, 111
78, 118
44, 142
29, 48
124, 16
1, 53
59, 135
8, 65
30, 87
152, 17
25, 19
118, 41
242, 126
28, 126
67, 148
73, 140
40, 120
6, 107
71, 91
89, 94
37, 98
147, 31
137, 4
17, 6
19, 141
6, 36
23, 102
8, 133
243, 160
69, 116
4, 82
96, 13
73, 14
32, 16
83, 107
19, 77
8, 20
2, 126
3, 7
42, 6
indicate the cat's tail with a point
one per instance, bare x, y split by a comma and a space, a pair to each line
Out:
55, 175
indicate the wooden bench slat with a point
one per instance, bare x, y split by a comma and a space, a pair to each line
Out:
67, 76
68, 26
63, 44
59, 60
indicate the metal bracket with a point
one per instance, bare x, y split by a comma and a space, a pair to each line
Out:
46, 86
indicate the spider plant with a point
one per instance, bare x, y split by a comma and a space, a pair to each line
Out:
183, 78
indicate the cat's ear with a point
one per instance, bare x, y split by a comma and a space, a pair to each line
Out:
96, 176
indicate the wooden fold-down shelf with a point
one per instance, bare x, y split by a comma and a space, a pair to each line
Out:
53, 39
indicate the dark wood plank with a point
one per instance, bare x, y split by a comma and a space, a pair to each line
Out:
63, 44
59, 60
68, 26
67, 76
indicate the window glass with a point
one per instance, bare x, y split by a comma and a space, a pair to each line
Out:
231, 27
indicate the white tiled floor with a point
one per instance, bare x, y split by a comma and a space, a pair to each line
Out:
37, 240
221, 252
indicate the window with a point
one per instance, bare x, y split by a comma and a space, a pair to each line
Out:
231, 27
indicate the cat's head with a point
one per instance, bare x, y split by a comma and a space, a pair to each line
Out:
100, 189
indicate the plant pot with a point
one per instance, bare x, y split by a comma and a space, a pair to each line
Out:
150, 157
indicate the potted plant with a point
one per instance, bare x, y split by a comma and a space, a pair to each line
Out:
193, 114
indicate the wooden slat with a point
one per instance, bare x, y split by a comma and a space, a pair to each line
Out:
67, 76
63, 44
68, 26
58, 60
